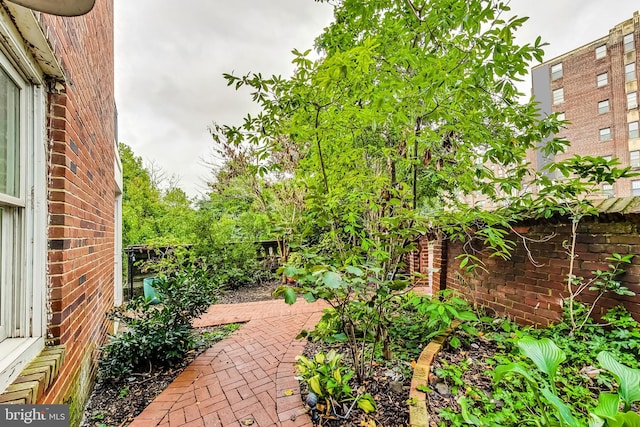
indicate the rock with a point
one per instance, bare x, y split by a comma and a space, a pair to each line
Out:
475, 346
443, 389
395, 386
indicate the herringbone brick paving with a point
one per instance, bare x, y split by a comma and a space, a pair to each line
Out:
246, 379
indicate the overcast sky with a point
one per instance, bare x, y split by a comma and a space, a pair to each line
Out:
170, 57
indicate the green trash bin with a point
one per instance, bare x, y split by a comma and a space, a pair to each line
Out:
149, 291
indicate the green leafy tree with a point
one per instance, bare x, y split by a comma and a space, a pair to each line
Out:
151, 214
411, 108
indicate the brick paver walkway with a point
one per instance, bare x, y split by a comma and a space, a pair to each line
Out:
246, 379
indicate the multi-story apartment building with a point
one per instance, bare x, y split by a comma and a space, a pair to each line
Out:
595, 88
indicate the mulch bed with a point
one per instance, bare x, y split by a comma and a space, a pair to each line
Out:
441, 396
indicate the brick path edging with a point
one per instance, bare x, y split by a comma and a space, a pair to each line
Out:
418, 414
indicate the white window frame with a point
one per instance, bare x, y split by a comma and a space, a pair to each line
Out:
630, 72
634, 158
556, 71
23, 303
558, 96
605, 134
603, 106
602, 79
634, 131
601, 51
635, 187
632, 100
608, 190
628, 41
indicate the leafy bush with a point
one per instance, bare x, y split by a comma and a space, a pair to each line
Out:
162, 334
233, 257
328, 378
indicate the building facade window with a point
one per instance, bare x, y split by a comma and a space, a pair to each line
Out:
602, 79
633, 130
558, 96
634, 159
605, 134
630, 72
603, 106
628, 43
556, 71
632, 100
635, 187
23, 216
601, 51
607, 190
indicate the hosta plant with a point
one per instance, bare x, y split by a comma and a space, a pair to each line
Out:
328, 378
613, 410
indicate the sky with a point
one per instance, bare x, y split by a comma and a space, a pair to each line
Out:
171, 55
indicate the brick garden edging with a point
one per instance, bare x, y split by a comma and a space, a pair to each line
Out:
418, 415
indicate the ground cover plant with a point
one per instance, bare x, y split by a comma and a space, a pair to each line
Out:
380, 395
507, 375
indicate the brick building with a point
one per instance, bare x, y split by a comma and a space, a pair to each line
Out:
60, 185
595, 88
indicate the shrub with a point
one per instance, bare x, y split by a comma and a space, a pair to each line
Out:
158, 335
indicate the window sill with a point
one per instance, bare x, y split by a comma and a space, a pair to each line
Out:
15, 355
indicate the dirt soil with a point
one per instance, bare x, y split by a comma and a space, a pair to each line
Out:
441, 396
115, 405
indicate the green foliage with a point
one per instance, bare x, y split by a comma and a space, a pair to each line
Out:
157, 335
151, 214
328, 378
547, 357
416, 319
602, 282
566, 369
230, 253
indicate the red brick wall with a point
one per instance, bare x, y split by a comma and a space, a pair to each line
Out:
532, 294
432, 279
81, 201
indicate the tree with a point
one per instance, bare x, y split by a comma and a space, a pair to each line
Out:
149, 213
391, 129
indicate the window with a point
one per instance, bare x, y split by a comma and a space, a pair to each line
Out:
602, 79
632, 100
630, 72
607, 190
633, 130
634, 159
628, 43
635, 187
605, 134
23, 219
556, 71
607, 158
558, 96
601, 51
603, 106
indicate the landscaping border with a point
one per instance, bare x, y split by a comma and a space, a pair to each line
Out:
418, 415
